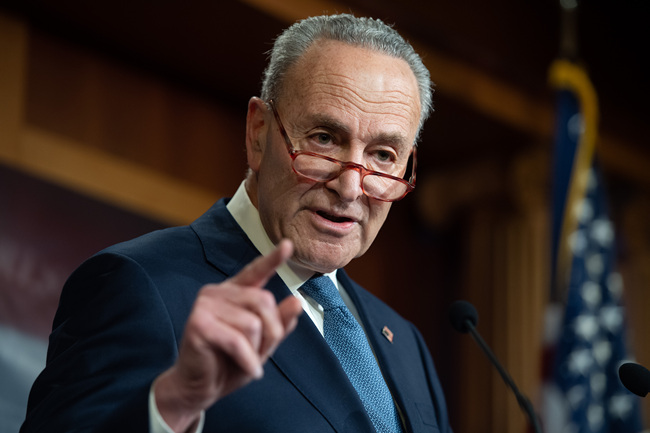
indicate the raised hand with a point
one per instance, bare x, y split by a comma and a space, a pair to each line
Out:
232, 330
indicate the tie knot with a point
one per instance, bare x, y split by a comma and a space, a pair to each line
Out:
322, 290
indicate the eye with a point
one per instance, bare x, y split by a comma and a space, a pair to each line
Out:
323, 138
384, 156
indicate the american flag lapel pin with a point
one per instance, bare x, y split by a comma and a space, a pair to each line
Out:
387, 333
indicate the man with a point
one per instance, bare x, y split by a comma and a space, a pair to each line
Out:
194, 328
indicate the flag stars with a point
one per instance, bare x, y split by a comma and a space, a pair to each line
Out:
578, 242
598, 384
591, 296
595, 416
602, 232
620, 406
611, 317
586, 326
576, 395
575, 126
580, 361
615, 286
602, 352
595, 266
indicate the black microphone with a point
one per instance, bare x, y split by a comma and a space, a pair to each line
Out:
635, 377
463, 317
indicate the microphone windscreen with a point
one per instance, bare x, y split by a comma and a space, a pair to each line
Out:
635, 377
459, 313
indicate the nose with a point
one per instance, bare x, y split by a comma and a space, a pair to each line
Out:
347, 185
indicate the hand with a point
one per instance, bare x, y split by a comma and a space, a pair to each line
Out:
232, 330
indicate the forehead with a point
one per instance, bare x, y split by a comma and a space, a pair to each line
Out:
355, 84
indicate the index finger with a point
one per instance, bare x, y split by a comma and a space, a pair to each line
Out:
260, 270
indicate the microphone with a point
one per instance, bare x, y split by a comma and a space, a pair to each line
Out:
635, 378
463, 317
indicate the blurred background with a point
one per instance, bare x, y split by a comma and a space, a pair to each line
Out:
117, 118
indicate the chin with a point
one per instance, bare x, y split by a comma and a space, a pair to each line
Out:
325, 254
321, 263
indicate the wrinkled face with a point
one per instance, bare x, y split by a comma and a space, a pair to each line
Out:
346, 102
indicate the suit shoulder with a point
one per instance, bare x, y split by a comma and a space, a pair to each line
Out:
158, 241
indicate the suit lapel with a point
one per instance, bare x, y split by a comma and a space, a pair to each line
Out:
225, 244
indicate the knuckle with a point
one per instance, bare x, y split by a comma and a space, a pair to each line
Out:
198, 323
233, 344
253, 326
267, 299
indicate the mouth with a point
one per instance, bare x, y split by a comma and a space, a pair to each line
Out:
334, 218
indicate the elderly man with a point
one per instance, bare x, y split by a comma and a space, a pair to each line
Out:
244, 321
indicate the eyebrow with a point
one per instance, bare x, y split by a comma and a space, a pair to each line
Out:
394, 138
323, 120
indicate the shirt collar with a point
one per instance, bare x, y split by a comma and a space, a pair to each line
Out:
248, 218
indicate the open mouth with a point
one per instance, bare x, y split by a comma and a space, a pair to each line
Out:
334, 218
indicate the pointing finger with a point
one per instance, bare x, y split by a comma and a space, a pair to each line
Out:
260, 270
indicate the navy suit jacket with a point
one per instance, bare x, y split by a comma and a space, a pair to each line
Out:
121, 317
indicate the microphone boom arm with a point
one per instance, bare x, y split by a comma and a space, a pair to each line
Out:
523, 401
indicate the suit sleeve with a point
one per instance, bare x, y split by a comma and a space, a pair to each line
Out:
112, 336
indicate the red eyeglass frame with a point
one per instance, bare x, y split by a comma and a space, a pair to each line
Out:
293, 153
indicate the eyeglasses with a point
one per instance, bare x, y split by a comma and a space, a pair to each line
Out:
321, 168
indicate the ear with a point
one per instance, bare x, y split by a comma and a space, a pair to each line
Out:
256, 131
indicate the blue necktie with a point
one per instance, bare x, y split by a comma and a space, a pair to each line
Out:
349, 343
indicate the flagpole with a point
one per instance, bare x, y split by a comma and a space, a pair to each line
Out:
568, 30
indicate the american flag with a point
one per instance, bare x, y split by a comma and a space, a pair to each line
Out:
584, 394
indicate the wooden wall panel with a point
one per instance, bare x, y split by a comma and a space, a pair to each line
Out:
124, 112
13, 46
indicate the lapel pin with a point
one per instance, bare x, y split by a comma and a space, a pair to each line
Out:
387, 333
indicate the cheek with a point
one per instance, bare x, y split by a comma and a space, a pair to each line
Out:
376, 217
275, 176
379, 211
281, 197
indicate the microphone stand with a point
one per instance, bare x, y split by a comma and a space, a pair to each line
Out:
523, 401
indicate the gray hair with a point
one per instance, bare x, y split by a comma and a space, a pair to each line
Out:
357, 31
